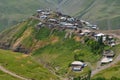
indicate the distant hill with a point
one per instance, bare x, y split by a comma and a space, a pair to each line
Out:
12, 12
104, 13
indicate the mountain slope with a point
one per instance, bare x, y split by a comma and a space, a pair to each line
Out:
104, 13
51, 46
23, 65
48, 46
12, 12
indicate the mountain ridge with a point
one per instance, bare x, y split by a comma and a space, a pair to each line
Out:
103, 13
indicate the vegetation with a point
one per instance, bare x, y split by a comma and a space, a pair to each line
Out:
49, 51
5, 76
94, 11
63, 52
42, 33
111, 73
24, 65
17, 11
96, 47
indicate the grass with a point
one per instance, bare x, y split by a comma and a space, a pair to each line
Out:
61, 54
42, 34
76, 74
96, 13
16, 11
113, 71
23, 65
110, 72
5, 76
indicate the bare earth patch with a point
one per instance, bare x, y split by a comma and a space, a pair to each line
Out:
77, 38
54, 39
25, 34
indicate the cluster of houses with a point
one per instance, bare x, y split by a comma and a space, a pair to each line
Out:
106, 39
53, 19
57, 19
107, 56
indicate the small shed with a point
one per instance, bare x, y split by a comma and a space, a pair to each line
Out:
86, 32
99, 34
106, 60
63, 18
112, 44
43, 17
94, 27
52, 20
77, 65
39, 10
70, 19
46, 13
66, 24
108, 53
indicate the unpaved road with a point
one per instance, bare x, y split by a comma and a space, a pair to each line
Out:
12, 74
106, 66
116, 34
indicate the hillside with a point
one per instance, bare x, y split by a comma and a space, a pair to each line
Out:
16, 11
111, 73
53, 47
50, 46
23, 65
104, 13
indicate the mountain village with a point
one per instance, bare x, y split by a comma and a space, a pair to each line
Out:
57, 20
60, 40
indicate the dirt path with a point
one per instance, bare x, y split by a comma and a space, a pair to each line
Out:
99, 68
12, 74
106, 66
115, 33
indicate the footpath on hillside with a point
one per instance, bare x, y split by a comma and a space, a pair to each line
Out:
12, 74
116, 60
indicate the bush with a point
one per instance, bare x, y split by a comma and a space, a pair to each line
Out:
99, 78
115, 78
95, 46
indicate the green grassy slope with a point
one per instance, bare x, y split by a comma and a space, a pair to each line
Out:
75, 7
101, 12
50, 50
5, 76
12, 12
104, 13
111, 73
23, 65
